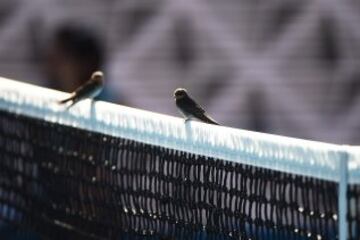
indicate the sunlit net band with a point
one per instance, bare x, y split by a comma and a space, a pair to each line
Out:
104, 171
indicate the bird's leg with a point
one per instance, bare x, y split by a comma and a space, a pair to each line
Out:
72, 103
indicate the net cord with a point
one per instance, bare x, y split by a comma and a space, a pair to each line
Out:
343, 201
297, 156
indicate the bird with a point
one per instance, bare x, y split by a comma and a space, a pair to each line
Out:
189, 108
90, 89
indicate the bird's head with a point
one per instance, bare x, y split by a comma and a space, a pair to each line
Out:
97, 76
180, 93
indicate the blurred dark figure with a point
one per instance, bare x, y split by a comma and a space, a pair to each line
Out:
74, 53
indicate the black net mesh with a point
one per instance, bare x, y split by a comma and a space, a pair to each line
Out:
354, 211
59, 182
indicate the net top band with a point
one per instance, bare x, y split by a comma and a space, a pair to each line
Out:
297, 156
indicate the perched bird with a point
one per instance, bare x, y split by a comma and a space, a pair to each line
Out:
90, 89
189, 108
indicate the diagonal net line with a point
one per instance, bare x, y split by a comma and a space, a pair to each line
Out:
344, 13
295, 31
257, 68
143, 41
235, 48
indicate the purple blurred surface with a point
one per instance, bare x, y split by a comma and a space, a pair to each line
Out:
286, 67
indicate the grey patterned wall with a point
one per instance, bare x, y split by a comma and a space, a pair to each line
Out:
286, 67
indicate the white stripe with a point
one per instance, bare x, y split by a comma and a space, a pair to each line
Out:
310, 158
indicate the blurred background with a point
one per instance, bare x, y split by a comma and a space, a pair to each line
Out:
285, 67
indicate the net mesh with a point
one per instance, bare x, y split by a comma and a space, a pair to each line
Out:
100, 171
60, 182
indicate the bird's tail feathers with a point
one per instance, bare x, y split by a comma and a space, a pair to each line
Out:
212, 121
68, 99
209, 120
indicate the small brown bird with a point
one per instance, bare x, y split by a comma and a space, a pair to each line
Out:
90, 89
189, 108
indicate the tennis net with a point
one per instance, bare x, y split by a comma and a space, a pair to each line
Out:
104, 171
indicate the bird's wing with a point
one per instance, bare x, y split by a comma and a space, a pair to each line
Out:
70, 98
190, 106
197, 111
81, 92
85, 89
206, 118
